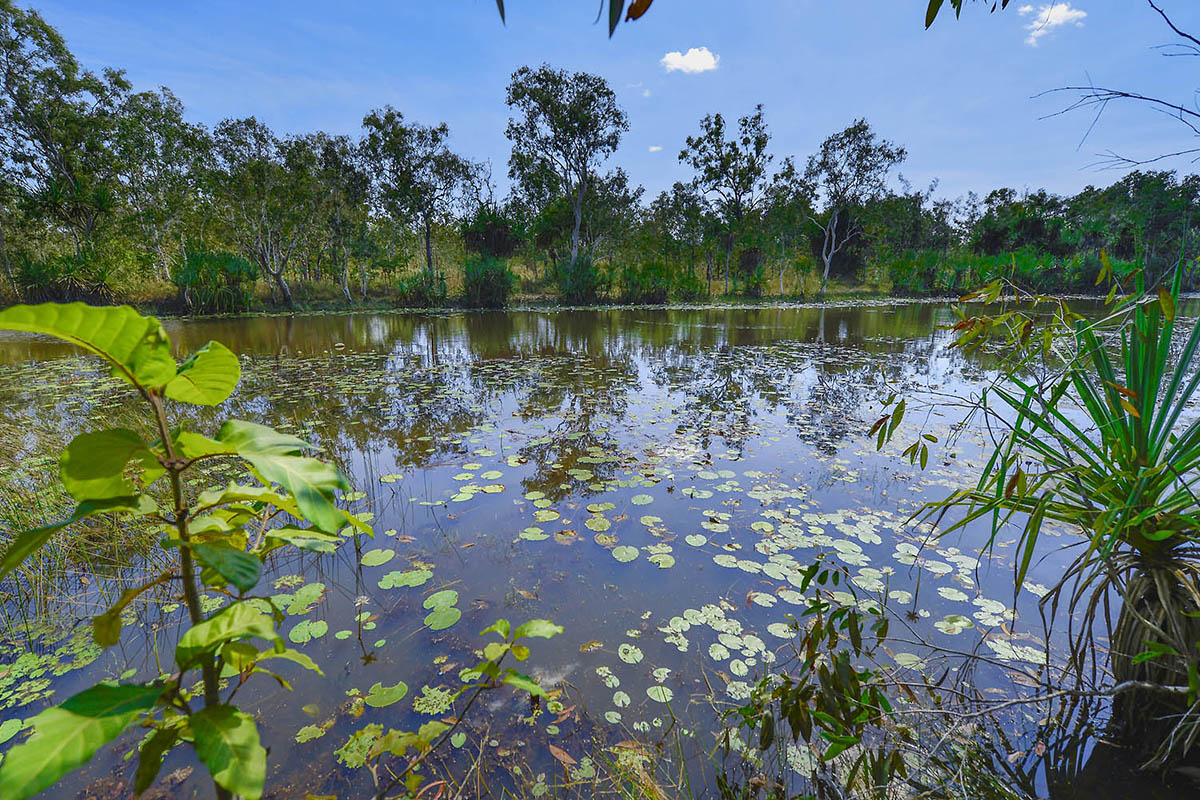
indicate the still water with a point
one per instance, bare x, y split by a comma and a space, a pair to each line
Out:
651, 479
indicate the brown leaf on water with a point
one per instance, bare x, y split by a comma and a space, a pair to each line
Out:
562, 755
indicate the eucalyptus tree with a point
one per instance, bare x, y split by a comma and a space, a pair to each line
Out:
417, 176
344, 190
567, 125
731, 170
268, 191
57, 122
850, 170
678, 216
786, 211
160, 158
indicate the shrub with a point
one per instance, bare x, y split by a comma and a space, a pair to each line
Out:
579, 283
69, 277
487, 282
213, 282
490, 233
690, 288
421, 290
649, 283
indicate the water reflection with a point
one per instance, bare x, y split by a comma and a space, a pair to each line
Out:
720, 436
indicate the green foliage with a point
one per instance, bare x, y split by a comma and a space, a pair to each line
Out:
214, 282
580, 282
491, 233
826, 697
649, 283
1106, 447
421, 290
116, 471
65, 277
487, 282
369, 744
689, 288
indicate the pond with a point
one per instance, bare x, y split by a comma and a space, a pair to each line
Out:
653, 480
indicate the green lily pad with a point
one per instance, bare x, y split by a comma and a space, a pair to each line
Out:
377, 557
441, 618
624, 553
380, 696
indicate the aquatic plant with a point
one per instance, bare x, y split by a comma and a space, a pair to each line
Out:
1107, 446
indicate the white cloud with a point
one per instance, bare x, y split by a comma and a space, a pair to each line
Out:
697, 59
645, 92
654, 148
1048, 17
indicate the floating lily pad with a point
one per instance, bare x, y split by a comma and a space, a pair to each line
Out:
624, 553
443, 599
377, 557
442, 618
641, 500
660, 694
380, 696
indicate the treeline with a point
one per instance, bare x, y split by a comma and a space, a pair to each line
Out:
107, 193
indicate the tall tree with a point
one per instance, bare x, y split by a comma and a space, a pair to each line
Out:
417, 176
57, 122
732, 171
159, 156
268, 190
568, 125
850, 169
344, 189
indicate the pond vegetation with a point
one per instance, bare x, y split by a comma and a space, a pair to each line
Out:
694, 495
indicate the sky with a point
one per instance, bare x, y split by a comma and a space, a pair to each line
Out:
963, 97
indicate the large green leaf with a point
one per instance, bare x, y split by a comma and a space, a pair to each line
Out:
27, 542
252, 438
66, 736
93, 465
207, 378
240, 568
310, 481
237, 621
136, 346
150, 758
226, 740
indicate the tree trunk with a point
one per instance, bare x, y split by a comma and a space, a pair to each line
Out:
345, 274
728, 255
578, 208
428, 252
829, 249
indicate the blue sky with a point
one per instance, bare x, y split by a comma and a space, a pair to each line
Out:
959, 97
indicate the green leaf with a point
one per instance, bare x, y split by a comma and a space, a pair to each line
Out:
226, 740
249, 437
931, 13
524, 683
27, 542
441, 618
66, 736
238, 621
240, 568
380, 696
150, 758
93, 465
207, 378
615, 7
136, 346
541, 628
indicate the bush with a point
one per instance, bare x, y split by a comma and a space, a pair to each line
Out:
213, 282
649, 283
421, 291
64, 278
490, 233
579, 283
690, 288
487, 282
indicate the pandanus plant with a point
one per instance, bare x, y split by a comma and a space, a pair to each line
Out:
1108, 448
